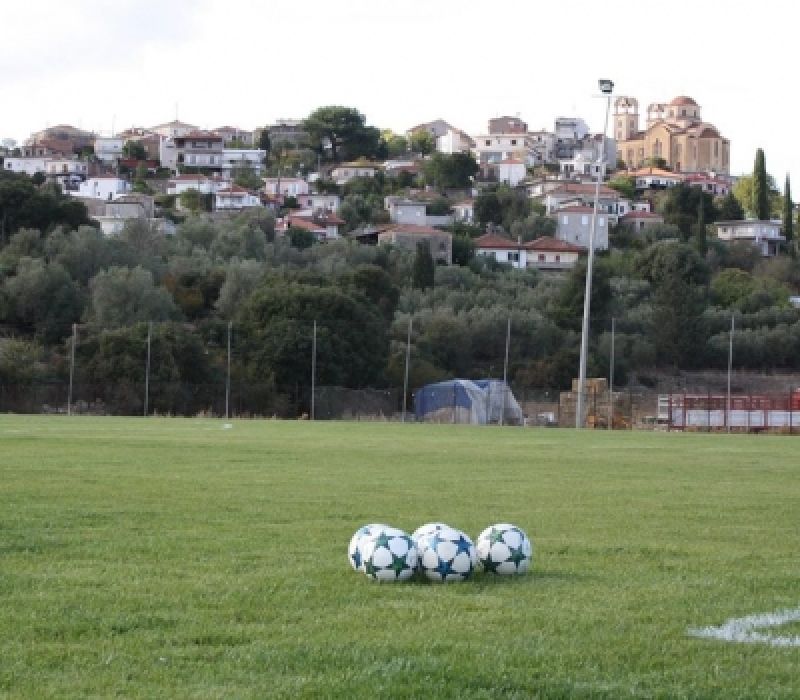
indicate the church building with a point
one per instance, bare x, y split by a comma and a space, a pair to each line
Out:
675, 132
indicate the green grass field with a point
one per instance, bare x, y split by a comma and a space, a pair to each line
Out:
170, 558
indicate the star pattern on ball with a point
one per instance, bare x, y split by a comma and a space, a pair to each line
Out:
517, 555
443, 568
464, 545
382, 540
356, 558
489, 565
370, 569
496, 535
398, 565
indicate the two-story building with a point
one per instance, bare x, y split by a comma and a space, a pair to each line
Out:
235, 197
199, 149
285, 186
106, 187
574, 226
764, 235
408, 235
544, 253
108, 149
239, 158
343, 173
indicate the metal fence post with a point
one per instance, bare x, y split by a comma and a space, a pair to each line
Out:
147, 370
408, 360
313, 369
228, 375
71, 367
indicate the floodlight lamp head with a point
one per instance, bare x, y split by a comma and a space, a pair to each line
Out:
606, 86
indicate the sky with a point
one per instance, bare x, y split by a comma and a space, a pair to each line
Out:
110, 64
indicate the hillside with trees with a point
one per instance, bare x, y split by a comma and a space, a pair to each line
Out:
671, 292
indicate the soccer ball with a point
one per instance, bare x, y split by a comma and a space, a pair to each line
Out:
427, 529
389, 554
354, 555
504, 549
446, 555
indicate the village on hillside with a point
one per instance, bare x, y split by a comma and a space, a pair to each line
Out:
431, 178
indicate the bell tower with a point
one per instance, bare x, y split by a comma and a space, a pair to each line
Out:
626, 118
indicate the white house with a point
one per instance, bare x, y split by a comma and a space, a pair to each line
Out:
655, 178
342, 174
108, 149
324, 226
204, 185
765, 235
175, 128
711, 183
406, 211
105, 187
286, 186
574, 226
544, 253
510, 171
493, 148
547, 253
233, 158
454, 141
583, 193
29, 166
235, 197
319, 202
502, 249
464, 211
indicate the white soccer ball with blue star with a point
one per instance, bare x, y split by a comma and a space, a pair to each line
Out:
446, 554
427, 529
354, 554
504, 549
389, 555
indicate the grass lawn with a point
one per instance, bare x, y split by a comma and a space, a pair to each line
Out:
175, 558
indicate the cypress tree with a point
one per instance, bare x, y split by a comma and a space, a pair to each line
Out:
700, 228
788, 212
760, 189
424, 268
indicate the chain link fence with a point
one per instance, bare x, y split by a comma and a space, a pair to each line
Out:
304, 369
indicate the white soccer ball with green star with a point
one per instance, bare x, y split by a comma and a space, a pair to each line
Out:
504, 549
354, 553
446, 554
389, 555
427, 529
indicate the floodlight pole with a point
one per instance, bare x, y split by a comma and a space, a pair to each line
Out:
606, 86
71, 367
408, 362
313, 369
228, 375
147, 370
611, 382
730, 367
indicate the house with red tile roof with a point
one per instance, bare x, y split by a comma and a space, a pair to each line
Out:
640, 220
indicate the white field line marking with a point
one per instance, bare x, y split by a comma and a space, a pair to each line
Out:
744, 629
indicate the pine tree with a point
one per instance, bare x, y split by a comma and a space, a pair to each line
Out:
788, 212
760, 188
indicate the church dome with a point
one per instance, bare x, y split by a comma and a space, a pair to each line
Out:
683, 101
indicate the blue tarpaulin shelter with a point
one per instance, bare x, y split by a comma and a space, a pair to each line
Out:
478, 401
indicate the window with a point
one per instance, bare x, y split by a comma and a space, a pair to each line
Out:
565, 220
513, 257
513, 142
558, 258
584, 220
541, 257
601, 221
488, 142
